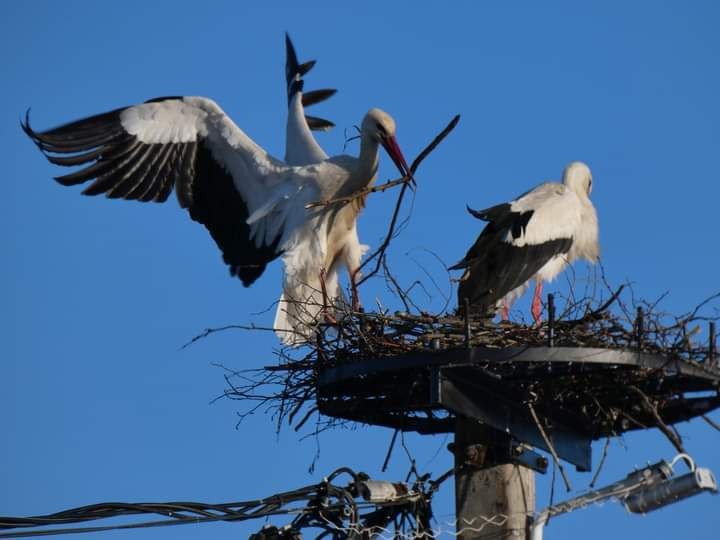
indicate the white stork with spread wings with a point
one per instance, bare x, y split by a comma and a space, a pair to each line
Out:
253, 204
532, 237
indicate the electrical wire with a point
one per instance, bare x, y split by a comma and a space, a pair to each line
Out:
327, 506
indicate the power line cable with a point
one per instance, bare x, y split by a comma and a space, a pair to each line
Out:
327, 506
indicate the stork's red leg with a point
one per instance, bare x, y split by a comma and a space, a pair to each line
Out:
325, 301
536, 309
354, 295
505, 314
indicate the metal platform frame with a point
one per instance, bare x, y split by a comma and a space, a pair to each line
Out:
427, 391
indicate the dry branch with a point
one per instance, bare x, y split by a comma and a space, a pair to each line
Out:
360, 193
710, 422
392, 183
652, 408
551, 446
379, 253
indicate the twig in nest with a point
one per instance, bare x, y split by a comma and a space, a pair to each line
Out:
431, 278
602, 462
305, 418
389, 451
693, 315
205, 333
651, 407
607, 304
289, 390
550, 445
380, 252
711, 422
398, 290
597, 313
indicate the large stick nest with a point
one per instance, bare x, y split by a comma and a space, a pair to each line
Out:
606, 400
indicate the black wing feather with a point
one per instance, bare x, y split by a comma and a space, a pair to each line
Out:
500, 219
132, 175
91, 126
154, 169
220, 208
80, 159
109, 173
493, 266
187, 165
124, 167
165, 182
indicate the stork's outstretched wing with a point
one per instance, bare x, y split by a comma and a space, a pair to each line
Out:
301, 147
219, 174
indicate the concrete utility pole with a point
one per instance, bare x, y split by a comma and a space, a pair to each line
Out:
491, 500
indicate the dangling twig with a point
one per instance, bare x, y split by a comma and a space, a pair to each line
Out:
390, 449
379, 253
550, 445
711, 422
651, 408
602, 462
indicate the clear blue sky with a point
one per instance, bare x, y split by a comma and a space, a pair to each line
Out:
98, 403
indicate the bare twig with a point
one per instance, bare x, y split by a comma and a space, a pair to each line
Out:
550, 445
597, 313
443, 265
602, 461
398, 290
379, 253
651, 407
391, 183
711, 422
305, 418
389, 451
359, 193
208, 331
436, 141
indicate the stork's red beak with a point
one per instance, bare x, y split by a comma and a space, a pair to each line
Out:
391, 147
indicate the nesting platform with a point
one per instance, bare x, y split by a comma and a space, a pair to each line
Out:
559, 397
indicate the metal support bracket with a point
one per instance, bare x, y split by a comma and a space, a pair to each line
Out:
484, 455
450, 388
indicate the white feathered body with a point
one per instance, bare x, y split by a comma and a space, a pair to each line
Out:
327, 240
533, 237
166, 138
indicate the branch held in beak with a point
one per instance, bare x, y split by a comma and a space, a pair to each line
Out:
391, 147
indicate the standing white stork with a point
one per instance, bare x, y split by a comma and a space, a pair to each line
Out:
253, 204
534, 236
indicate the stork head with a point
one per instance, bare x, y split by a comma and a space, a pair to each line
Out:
577, 176
380, 127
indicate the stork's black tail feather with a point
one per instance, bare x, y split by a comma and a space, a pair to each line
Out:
316, 96
294, 73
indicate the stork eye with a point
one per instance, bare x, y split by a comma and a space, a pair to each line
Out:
381, 128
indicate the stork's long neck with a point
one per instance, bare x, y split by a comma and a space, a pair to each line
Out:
367, 163
574, 185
